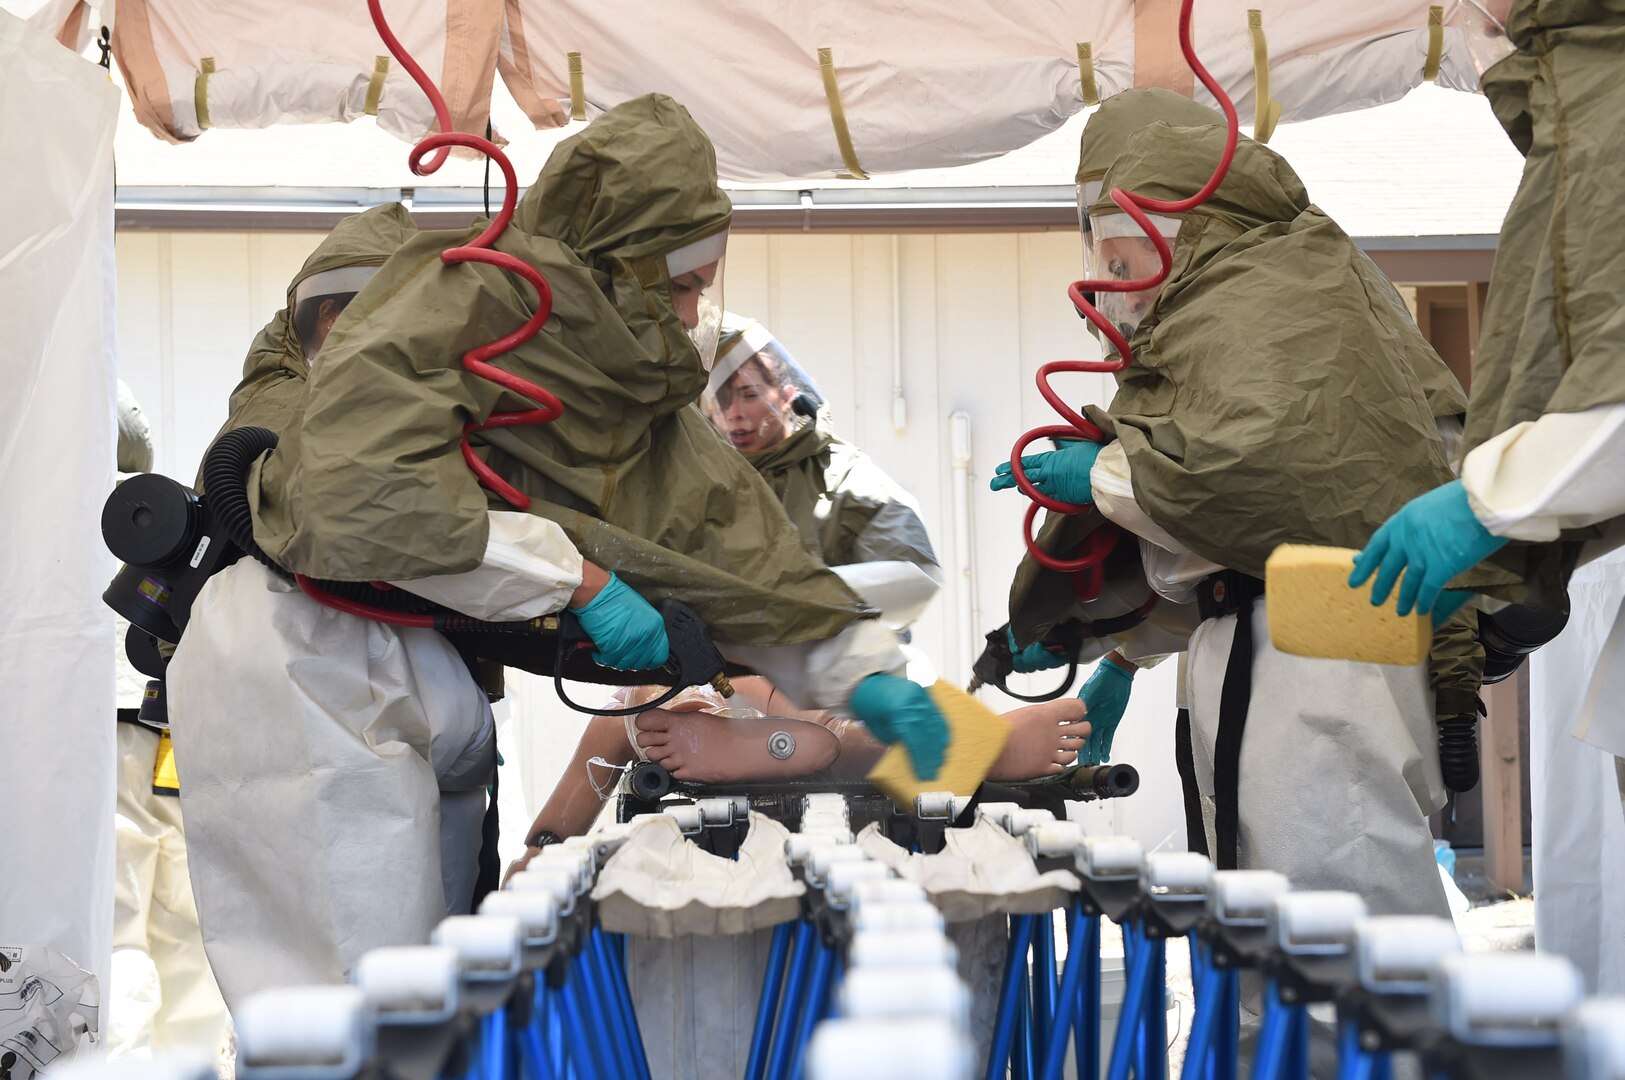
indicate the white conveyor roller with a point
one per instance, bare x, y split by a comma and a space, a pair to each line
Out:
1110, 858
897, 918
1504, 999
410, 984
488, 946
1245, 897
910, 949
1396, 954
842, 878
873, 993
303, 1033
537, 912
1594, 1041
1055, 840
890, 1049
1176, 875
1315, 923
559, 882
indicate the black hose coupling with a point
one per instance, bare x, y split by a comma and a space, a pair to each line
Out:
1458, 752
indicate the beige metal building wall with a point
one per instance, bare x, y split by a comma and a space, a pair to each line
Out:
949, 323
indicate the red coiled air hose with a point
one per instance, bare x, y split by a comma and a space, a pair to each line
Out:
1099, 544
476, 361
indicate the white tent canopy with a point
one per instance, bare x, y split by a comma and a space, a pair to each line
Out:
786, 91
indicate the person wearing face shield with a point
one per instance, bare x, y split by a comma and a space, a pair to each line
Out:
1540, 484
345, 724
1279, 392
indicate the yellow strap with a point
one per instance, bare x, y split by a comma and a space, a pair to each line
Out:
165, 780
200, 92
578, 89
1430, 70
1266, 110
1086, 72
375, 86
837, 116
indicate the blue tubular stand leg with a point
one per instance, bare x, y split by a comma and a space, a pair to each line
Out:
597, 1014
1297, 1061
1066, 1013
1155, 1023
1044, 1000
1087, 1044
812, 1009
778, 956
1353, 1063
613, 977
1273, 1036
790, 1005
1199, 1051
494, 1045
534, 1052
585, 1055
1004, 1024
1021, 1054
1129, 1020
1227, 1039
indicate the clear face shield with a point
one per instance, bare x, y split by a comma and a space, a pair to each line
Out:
758, 395
1115, 248
1482, 24
695, 272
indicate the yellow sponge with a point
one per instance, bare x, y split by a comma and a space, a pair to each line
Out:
976, 736
1313, 612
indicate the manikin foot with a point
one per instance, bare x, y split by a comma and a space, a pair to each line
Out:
708, 749
1044, 740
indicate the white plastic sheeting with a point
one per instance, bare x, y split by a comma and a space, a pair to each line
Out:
1577, 814
928, 86
660, 885
193, 64
57, 431
980, 871
919, 86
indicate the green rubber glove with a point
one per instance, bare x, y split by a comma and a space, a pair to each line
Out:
629, 633
1034, 657
1061, 474
1431, 539
1105, 696
898, 711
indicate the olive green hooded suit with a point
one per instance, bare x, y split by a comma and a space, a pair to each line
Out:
369, 483
1280, 391
1553, 338
272, 390
844, 507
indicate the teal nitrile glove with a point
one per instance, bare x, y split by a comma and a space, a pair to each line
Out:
1061, 474
898, 711
1104, 696
1433, 538
628, 632
1034, 657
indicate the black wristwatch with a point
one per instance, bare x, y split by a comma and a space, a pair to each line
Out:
543, 837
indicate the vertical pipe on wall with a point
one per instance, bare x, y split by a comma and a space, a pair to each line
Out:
899, 399
970, 609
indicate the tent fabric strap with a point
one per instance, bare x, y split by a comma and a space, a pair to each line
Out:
200, 92
375, 85
1430, 69
1157, 59
837, 117
1266, 110
1086, 73
578, 88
